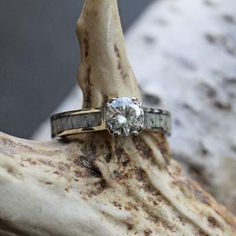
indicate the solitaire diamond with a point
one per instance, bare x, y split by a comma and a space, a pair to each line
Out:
124, 116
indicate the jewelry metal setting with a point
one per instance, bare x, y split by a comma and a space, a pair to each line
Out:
122, 116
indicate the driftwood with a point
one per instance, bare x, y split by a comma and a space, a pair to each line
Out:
98, 184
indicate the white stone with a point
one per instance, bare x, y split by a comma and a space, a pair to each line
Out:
124, 116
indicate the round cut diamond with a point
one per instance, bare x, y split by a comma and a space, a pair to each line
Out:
124, 116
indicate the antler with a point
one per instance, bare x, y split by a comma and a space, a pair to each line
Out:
98, 185
104, 71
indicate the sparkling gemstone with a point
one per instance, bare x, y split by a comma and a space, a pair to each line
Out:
124, 116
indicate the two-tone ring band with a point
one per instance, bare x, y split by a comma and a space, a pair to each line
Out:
121, 116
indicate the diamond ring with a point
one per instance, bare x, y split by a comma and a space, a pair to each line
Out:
122, 116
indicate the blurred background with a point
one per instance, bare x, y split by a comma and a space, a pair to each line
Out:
183, 54
39, 57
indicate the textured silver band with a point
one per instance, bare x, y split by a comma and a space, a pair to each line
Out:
73, 122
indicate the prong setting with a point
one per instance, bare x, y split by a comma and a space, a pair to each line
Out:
124, 116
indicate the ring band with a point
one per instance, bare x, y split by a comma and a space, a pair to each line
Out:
113, 120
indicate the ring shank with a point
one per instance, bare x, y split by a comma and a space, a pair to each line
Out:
80, 121
157, 120
89, 120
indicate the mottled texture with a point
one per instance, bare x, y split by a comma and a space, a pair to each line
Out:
97, 184
103, 45
102, 186
183, 55
204, 114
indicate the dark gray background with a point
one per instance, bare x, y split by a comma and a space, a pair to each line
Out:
39, 56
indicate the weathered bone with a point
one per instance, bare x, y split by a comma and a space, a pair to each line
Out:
98, 185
